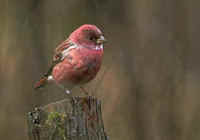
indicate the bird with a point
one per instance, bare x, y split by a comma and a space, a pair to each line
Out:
77, 60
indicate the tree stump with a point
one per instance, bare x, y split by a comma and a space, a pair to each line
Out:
76, 118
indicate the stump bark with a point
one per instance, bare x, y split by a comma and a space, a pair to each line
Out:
76, 118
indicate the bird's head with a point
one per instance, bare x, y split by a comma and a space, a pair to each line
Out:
88, 36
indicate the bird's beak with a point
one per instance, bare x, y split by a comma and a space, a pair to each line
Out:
101, 40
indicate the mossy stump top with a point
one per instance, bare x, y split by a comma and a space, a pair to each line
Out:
76, 118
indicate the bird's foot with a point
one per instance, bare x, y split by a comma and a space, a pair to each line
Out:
68, 92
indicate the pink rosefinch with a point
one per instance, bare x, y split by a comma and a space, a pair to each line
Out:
77, 60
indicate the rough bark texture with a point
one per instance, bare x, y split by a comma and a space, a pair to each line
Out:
76, 118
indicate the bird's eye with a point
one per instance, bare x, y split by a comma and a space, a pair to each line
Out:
92, 38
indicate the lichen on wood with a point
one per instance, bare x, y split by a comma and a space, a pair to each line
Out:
76, 118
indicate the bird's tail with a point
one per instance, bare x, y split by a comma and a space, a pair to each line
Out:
41, 83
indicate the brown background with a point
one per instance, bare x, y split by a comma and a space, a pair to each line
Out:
149, 81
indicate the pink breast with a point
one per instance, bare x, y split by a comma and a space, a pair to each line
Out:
80, 67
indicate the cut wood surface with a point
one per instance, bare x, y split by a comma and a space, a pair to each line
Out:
76, 118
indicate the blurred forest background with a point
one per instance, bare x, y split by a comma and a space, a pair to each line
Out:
149, 83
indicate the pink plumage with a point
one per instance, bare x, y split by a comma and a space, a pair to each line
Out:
77, 60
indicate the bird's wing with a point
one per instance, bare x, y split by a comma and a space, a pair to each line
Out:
60, 53
60, 48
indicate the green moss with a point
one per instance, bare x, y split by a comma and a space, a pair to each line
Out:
56, 121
